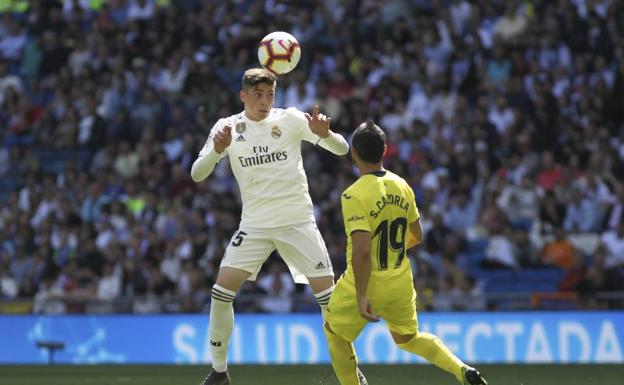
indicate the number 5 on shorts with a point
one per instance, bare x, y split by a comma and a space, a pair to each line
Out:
238, 238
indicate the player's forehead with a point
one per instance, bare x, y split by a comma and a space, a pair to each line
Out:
263, 88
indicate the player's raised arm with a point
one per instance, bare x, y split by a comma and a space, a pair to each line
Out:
319, 125
218, 141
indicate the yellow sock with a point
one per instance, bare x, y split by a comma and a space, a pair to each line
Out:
343, 358
433, 350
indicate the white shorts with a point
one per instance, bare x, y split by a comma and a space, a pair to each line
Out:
301, 247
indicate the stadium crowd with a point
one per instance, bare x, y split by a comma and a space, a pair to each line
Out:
506, 117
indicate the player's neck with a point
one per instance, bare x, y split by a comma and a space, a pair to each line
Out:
253, 117
367, 168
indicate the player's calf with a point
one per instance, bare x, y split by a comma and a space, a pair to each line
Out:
221, 325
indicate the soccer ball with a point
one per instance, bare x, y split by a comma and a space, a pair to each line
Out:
279, 52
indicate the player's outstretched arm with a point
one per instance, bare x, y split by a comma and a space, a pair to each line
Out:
329, 140
210, 155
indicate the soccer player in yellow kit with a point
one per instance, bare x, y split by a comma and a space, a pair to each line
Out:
381, 221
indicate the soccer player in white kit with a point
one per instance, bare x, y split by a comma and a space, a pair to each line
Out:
264, 149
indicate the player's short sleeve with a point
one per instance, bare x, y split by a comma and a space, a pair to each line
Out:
209, 146
412, 211
354, 214
298, 119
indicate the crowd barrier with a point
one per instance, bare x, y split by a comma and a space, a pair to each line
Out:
514, 337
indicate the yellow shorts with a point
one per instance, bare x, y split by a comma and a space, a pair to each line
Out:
343, 316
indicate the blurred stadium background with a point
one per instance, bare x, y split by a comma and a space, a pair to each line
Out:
507, 118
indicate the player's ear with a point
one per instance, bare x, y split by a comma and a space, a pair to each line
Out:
385, 149
354, 153
242, 96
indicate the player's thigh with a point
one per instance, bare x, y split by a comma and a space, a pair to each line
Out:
400, 314
304, 251
247, 251
343, 315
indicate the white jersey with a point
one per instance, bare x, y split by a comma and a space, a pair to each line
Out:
265, 157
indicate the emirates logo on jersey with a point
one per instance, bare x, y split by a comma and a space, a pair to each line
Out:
261, 155
276, 132
260, 159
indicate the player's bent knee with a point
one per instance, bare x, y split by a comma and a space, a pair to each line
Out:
319, 284
401, 338
232, 278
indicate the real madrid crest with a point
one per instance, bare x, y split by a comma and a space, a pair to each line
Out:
240, 127
276, 132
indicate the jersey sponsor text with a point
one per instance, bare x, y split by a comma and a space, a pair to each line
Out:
258, 159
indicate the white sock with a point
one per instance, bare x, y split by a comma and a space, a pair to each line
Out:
323, 298
221, 324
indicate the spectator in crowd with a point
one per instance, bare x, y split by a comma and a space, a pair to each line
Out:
8, 283
248, 298
525, 251
49, 298
520, 202
492, 218
614, 213
552, 212
499, 252
462, 212
581, 213
103, 107
559, 252
466, 295
550, 175
279, 286
613, 244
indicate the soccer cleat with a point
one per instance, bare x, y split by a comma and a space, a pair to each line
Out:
472, 376
216, 378
361, 377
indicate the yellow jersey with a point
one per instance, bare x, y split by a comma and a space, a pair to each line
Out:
383, 204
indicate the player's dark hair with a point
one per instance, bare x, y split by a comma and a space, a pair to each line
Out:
369, 141
255, 76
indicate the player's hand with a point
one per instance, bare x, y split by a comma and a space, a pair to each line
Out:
222, 139
365, 310
319, 123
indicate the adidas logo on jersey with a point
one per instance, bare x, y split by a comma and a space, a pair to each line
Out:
319, 266
240, 139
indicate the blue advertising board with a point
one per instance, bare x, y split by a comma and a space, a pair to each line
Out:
527, 337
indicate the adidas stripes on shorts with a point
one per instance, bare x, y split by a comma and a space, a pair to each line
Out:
301, 247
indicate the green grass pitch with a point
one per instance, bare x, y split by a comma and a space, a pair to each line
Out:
306, 375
